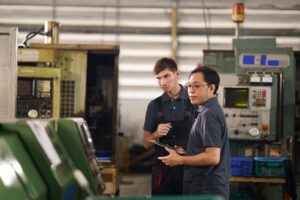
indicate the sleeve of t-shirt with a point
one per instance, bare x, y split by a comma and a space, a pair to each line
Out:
211, 130
150, 123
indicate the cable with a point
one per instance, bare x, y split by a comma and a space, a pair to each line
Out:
31, 35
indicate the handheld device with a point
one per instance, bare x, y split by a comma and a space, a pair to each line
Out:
165, 145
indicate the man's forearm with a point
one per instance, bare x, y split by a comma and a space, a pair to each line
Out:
201, 159
149, 136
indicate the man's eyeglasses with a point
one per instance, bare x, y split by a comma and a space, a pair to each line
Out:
194, 86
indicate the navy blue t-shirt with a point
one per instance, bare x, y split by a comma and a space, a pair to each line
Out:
209, 130
173, 110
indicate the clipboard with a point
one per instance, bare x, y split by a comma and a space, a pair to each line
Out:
164, 145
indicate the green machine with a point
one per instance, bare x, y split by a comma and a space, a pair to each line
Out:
75, 133
48, 155
19, 177
256, 90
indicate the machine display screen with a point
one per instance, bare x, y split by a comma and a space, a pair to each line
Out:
236, 97
34, 88
24, 88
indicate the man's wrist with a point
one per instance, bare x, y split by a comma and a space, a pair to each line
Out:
181, 160
155, 135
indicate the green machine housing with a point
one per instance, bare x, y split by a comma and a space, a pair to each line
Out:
19, 177
49, 157
73, 133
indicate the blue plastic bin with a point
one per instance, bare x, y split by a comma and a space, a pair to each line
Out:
241, 166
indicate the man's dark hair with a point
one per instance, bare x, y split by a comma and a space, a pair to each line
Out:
165, 63
210, 76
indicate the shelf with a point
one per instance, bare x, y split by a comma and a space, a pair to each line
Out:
257, 180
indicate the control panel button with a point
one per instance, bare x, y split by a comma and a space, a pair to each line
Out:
33, 114
254, 132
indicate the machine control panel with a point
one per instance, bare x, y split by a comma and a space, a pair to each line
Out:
260, 98
247, 111
34, 98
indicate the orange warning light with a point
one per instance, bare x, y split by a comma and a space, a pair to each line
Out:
238, 12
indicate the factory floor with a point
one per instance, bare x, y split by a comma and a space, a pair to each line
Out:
137, 184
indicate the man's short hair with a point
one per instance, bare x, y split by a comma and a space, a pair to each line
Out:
165, 63
210, 76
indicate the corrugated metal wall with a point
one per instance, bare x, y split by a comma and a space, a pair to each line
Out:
142, 28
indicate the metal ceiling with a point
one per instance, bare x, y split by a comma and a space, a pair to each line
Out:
263, 4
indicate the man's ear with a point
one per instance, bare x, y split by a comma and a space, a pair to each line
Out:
212, 88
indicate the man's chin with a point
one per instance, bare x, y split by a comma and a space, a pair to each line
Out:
194, 102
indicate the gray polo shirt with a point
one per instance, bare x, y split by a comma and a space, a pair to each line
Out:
209, 130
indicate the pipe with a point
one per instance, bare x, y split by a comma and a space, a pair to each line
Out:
52, 29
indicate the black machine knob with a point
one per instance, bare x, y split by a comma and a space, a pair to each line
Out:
236, 131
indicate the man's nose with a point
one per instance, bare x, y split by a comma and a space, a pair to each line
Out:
191, 91
163, 81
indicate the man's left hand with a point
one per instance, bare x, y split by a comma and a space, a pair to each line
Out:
173, 159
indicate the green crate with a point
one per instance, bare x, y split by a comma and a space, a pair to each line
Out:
269, 167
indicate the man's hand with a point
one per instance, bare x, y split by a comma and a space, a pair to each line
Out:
173, 159
179, 149
163, 129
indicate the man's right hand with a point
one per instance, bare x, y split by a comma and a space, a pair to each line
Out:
162, 129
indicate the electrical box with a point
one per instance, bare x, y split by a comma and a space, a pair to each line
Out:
111, 181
